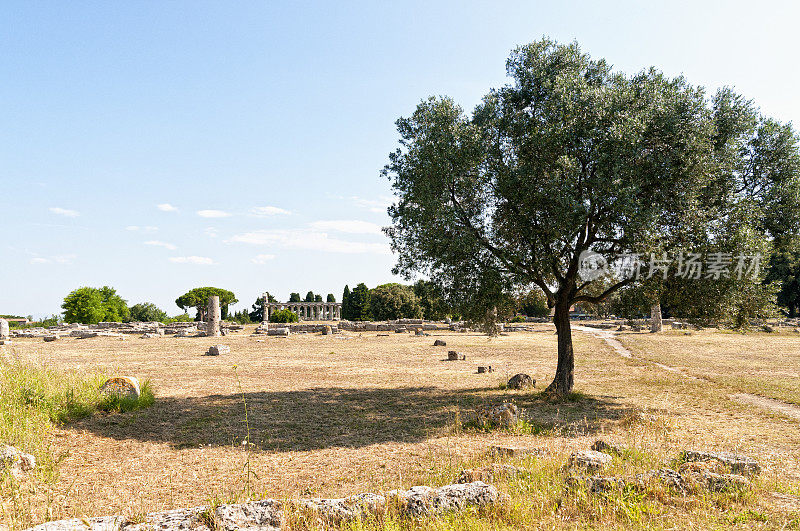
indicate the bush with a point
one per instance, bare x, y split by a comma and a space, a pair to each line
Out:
241, 317
180, 318
283, 316
147, 312
394, 301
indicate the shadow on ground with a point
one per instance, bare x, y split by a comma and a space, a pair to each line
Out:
334, 417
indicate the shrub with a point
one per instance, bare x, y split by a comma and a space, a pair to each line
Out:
147, 312
283, 316
394, 301
92, 305
180, 318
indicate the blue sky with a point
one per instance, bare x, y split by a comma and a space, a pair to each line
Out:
159, 146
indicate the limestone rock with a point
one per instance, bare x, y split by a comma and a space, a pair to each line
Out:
123, 386
440, 343
504, 415
424, 500
419, 332
521, 381
736, 464
4, 329
49, 339
102, 523
326, 512
280, 332
484, 369
602, 446
605, 483
216, 350
452, 355
665, 476
17, 461
264, 515
183, 519
589, 460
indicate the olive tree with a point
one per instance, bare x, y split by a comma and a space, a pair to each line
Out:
573, 158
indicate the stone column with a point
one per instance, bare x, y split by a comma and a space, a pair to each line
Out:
212, 325
338, 312
4, 330
655, 318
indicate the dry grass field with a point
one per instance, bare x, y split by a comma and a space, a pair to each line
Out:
330, 416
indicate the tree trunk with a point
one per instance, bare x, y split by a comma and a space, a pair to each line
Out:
655, 318
562, 383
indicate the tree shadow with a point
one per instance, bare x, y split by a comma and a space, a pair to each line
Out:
319, 418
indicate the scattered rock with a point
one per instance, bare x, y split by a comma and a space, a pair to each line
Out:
452, 355
280, 332
737, 464
767, 328
516, 451
190, 519
102, 523
665, 476
423, 500
49, 339
123, 386
338, 510
150, 336
602, 446
521, 381
327, 330
589, 460
16, 461
216, 350
486, 369
440, 343
263, 515
504, 415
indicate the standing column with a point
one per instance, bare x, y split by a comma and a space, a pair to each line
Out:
212, 325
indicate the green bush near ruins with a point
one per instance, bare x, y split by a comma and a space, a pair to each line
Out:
394, 301
92, 305
283, 316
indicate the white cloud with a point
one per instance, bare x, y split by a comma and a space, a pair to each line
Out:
165, 245
265, 211
262, 259
57, 259
136, 228
197, 260
166, 207
211, 232
213, 214
350, 226
378, 205
65, 212
309, 239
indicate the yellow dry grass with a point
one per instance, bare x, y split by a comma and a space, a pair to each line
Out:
331, 416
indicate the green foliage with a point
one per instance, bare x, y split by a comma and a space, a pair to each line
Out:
180, 318
331, 298
91, 305
784, 268
53, 320
147, 311
573, 157
394, 301
257, 315
283, 316
317, 298
309, 297
347, 312
432, 300
198, 298
241, 317
295, 297
359, 303
533, 303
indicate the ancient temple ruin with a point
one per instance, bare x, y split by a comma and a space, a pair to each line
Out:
306, 311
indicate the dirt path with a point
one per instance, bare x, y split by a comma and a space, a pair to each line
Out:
776, 406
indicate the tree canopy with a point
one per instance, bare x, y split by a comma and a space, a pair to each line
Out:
148, 312
394, 301
198, 298
572, 158
92, 305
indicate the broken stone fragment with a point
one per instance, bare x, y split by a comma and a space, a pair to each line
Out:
602, 446
122, 386
216, 350
504, 415
521, 381
737, 464
440, 343
16, 461
589, 460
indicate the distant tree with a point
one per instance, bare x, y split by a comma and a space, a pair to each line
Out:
784, 268
295, 297
91, 305
180, 318
360, 303
147, 312
241, 317
394, 301
283, 316
331, 297
533, 304
198, 298
431, 298
310, 297
347, 311
257, 315
317, 298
